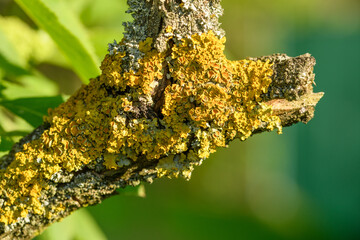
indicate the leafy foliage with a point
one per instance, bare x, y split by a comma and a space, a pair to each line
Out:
79, 55
32, 110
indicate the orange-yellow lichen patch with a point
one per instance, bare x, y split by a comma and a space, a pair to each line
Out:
208, 102
218, 96
110, 161
150, 70
169, 29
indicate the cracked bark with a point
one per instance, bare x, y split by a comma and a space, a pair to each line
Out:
290, 95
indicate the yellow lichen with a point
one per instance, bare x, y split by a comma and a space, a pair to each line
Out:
145, 46
169, 29
208, 102
110, 161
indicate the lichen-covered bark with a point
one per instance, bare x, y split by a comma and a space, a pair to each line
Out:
290, 93
166, 99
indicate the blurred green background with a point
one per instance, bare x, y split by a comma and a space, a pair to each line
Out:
304, 184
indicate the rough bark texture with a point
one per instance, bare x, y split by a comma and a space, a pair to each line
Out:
290, 95
291, 92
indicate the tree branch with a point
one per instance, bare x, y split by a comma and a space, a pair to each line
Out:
166, 98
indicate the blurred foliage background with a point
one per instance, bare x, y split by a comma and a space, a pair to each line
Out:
304, 184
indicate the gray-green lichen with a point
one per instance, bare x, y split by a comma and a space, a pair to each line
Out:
153, 18
292, 78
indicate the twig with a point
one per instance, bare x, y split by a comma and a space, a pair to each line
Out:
167, 97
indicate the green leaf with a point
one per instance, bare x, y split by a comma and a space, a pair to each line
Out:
80, 225
2, 88
12, 69
71, 21
5, 140
5, 143
9, 59
15, 134
77, 53
23, 41
7, 50
29, 86
32, 110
